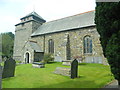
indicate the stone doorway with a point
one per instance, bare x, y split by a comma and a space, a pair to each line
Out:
27, 58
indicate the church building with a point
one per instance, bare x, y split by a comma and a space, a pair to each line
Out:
65, 38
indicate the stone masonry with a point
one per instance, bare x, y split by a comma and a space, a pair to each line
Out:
76, 43
74, 37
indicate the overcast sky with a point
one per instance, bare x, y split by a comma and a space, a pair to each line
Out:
12, 10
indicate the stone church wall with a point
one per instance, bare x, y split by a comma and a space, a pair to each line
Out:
76, 44
59, 45
22, 35
40, 41
27, 49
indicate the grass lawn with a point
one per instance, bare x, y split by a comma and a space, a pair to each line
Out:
91, 76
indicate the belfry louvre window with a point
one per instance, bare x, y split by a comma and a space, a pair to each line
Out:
87, 44
51, 46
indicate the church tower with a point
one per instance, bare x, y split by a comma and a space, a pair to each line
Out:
23, 31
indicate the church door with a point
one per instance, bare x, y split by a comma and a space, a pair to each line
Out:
27, 57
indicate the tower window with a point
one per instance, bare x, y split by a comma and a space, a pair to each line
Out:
28, 18
87, 44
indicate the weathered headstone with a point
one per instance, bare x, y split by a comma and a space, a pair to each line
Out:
74, 69
63, 71
38, 65
66, 62
72, 72
0, 77
9, 68
0, 72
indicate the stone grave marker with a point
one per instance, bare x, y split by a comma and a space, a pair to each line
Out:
38, 65
9, 68
66, 62
0, 76
74, 69
63, 71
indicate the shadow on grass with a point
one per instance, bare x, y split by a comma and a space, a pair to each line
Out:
72, 84
51, 62
8, 79
82, 63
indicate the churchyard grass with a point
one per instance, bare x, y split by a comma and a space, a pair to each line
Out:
90, 76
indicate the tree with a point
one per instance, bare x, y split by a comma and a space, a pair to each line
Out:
7, 44
0, 44
107, 19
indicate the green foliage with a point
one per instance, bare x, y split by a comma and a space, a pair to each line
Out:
107, 21
48, 57
7, 42
113, 54
91, 76
0, 45
18, 61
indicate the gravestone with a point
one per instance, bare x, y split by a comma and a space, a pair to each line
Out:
9, 68
72, 72
0, 77
0, 72
38, 65
63, 71
74, 69
66, 62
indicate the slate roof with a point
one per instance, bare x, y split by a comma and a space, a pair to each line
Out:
33, 14
35, 47
73, 22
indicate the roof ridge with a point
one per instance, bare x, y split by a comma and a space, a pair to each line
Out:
73, 22
69, 16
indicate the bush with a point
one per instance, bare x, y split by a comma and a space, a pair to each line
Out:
18, 61
48, 57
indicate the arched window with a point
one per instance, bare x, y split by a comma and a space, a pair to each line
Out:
51, 46
87, 44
